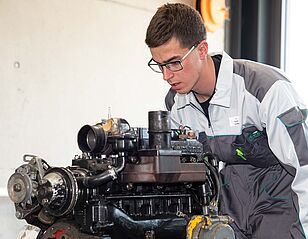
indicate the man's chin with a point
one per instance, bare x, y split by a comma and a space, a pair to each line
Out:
182, 91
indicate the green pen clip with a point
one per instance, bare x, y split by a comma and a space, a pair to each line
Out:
240, 153
254, 135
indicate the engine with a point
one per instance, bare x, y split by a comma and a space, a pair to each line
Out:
128, 182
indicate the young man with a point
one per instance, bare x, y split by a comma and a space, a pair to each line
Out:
249, 115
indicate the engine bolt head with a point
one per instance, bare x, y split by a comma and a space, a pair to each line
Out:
45, 201
17, 187
18, 215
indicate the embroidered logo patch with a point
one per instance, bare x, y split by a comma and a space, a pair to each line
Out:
234, 121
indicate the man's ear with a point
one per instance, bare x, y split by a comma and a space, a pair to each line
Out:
202, 49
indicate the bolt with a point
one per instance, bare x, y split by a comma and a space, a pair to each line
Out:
17, 187
45, 201
18, 215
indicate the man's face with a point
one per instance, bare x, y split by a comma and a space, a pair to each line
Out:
182, 81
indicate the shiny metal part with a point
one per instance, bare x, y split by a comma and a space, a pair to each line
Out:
20, 188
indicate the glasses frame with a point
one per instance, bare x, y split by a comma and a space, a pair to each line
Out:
167, 64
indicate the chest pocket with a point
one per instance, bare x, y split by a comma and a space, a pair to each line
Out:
252, 147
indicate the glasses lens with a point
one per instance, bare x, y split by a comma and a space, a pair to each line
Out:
174, 66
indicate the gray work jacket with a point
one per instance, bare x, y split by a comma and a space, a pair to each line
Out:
259, 101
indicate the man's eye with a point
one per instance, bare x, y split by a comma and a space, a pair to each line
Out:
176, 63
173, 64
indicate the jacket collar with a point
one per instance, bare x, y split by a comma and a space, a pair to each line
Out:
222, 95
187, 99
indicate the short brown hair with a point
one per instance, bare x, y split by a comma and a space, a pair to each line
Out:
175, 20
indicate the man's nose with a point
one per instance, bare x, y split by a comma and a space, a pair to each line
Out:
168, 74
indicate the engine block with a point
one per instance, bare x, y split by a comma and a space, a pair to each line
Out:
127, 183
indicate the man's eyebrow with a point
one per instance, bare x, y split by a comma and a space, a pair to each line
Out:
174, 58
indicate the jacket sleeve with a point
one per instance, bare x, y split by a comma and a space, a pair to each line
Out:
170, 106
284, 115
169, 99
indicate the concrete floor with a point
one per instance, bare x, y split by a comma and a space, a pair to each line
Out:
10, 226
